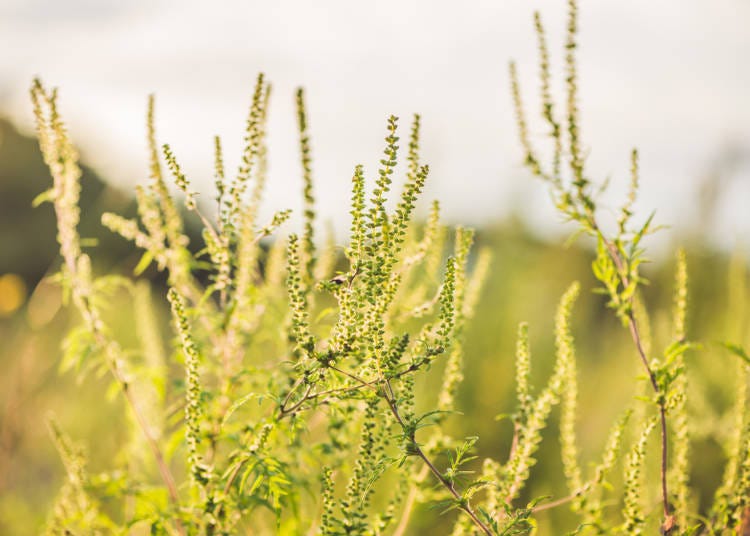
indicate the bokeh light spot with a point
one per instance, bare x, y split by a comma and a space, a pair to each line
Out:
12, 294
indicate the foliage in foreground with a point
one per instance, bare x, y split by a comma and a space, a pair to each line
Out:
289, 402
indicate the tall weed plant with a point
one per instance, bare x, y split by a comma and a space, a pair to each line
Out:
287, 401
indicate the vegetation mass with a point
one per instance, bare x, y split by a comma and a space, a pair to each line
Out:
305, 388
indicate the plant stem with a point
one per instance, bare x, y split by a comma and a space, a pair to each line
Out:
561, 501
285, 411
668, 524
161, 463
387, 393
461, 503
91, 316
409, 506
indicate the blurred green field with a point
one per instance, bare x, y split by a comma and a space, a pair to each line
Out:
527, 278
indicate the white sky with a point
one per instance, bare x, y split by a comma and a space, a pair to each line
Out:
669, 76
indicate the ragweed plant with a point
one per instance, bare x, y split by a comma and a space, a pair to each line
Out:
617, 267
290, 402
267, 411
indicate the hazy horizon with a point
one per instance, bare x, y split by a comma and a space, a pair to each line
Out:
669, 78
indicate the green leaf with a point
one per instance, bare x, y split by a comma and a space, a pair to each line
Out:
575, 235
324, 313
144, 263
676, 349
150, 502
237, 404
77, 347
246, 474
45, 197
258, 481
736, 350
109, 284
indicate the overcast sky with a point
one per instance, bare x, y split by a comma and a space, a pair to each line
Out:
669, 76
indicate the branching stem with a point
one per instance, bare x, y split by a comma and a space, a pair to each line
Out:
635, 334
387, 392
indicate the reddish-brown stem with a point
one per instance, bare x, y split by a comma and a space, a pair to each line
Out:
91, 316
153, 445
560, 502
461, 503
635, 334
285, 411
387, 393
161, 463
